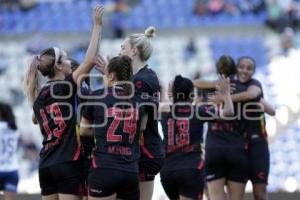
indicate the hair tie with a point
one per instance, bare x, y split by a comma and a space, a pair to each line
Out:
57, 54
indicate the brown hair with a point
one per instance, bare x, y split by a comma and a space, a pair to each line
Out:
226, 66
122, 67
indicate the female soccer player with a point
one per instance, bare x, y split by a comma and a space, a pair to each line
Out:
117, 119
139, 48
60, 172
182, 174
225, 153
259, 156
9, 137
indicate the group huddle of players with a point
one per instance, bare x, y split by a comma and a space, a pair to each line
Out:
119, 151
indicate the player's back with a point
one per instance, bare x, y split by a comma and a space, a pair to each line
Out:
54, 111
183, 137
117, 123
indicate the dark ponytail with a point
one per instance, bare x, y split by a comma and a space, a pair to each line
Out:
182, 89
7, 115
122, 67
226, 65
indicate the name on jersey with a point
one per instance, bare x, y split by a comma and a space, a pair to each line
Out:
119, 150
179, 148
51, 144
222, 126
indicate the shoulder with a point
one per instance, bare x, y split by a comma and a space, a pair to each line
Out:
145, 74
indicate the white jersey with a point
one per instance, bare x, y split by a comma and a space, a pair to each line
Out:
8, 148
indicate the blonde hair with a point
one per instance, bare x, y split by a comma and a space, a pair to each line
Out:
142, 41
31, 81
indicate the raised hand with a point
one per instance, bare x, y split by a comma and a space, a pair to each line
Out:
100, 63
98, 14
223, 85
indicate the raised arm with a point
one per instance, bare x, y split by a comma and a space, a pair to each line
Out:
92, 50
204, 84
251, 93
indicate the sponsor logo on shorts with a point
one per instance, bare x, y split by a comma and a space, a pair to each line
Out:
95, 190
210, 176
255, 136
261, 175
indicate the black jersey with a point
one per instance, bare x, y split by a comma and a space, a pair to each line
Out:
117, 127
255, 124
228, 133
147, 86
54, 111
183, 135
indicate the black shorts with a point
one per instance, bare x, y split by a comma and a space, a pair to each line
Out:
186, 182
106, 182
64, 178
229, 163
149, 168
259, 162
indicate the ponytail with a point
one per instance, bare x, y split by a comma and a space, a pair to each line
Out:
126, 74
31, 82
142, 41
122, 67
182, 89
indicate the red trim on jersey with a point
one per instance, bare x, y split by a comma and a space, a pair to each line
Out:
142, 176
200, 196
94, 164
77, 153
88, 191
201, 165
145, 151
